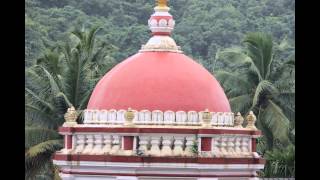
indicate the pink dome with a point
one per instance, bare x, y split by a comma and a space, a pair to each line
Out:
159, 81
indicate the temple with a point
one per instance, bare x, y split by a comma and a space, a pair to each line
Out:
159, 115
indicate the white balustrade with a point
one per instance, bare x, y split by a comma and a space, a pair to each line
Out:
156, 117
223, 145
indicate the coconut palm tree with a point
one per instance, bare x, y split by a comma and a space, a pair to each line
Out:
40, 144
65, 76
252, 82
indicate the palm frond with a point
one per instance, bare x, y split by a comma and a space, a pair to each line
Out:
241, 103
40, 116
259, 47
276, 121
37, 156
34, 136
39, 99
263, 88
233, 84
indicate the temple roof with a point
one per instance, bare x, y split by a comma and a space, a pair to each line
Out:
159, 77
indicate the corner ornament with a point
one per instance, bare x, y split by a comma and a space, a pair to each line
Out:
251, 120
238, 121
206, 118
129, 116
71, 117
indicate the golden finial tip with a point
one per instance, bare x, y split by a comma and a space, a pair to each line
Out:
162, 3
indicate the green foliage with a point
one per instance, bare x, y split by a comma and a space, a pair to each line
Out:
38, 156
280, 163
63, 76
215, 24
257, 86
194, 147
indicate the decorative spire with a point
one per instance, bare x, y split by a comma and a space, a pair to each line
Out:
70, 117
206, 118
162, 5
238, 120
129, 116
161, 24
251, 119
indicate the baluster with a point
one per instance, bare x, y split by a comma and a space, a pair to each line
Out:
107, 143
244, 146
231, 119
120, 116
157, 117
237, 146
220, 119
216, 147
97, 149
226, 119
193, 118
80, 143
115, 145
143, 144
89, 146
140, 119
223, 146
190, 140
155, 146
95, 117
166, 146
88, 117
230, 146
169, 117
178, 144
112, 116
214, 121
103, 117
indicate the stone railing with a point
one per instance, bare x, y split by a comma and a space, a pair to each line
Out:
133, 140
163, 142
146, 117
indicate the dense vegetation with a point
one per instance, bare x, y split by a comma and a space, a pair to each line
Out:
70, 44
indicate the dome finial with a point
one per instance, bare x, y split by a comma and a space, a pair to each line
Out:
162, 5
